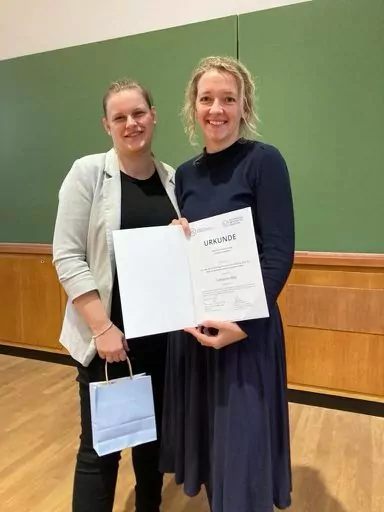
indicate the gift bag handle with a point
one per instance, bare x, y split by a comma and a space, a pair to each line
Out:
129, 366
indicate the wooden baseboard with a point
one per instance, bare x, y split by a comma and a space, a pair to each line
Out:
333, 392
40, 348
38, 354
300, 396
340, 403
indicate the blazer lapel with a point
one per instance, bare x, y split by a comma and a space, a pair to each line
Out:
167, 176
112, 199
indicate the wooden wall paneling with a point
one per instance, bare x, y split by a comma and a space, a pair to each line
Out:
331, 308
41, 302
340, 277
334, 324
10, 299
335, 308
336, 361
30, 297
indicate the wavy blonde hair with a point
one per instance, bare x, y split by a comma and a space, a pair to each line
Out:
249, 119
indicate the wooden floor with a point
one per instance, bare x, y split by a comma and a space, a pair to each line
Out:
337, 457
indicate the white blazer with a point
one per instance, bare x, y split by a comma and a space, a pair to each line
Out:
89, 210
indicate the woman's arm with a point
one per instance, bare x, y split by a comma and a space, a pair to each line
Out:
275, 222
275, 219
110, 341
71, 231
69, 258
91, 309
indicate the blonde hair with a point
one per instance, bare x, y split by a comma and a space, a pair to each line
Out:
245, 84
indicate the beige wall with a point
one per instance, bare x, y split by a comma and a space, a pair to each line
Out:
28, 27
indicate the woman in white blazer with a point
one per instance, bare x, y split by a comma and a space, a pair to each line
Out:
121, 189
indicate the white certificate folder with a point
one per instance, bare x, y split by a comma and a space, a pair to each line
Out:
168, 282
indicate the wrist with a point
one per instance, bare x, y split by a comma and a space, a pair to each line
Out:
101, 329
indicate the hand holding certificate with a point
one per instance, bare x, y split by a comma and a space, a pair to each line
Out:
169, 282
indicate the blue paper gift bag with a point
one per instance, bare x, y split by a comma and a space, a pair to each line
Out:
122, 412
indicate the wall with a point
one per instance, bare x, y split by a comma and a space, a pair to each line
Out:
332, 312
320, 76
319, 95
319, 71
50, 106
32, 27
331, 309
32, 302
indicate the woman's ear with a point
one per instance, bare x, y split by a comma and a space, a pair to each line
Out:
154, 115
106, 126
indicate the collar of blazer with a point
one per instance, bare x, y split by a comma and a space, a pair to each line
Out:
112, 167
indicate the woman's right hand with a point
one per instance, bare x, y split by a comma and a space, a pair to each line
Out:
184, 224
112, 345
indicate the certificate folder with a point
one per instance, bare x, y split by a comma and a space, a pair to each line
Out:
168, 282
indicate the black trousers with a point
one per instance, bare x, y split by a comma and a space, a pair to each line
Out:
95, 477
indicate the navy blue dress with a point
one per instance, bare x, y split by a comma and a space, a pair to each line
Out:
225, 417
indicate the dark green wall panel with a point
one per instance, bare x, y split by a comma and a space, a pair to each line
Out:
320, 76
50, 112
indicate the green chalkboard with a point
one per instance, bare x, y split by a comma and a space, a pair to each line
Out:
50, 112
320, 76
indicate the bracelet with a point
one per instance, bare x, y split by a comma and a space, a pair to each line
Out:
102, 332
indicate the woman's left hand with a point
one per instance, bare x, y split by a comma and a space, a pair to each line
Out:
228, 333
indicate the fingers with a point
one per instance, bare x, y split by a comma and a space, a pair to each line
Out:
114, 357
184, 224
115, 353
209, 331
122, 355
213, 324
203, 339
125, 344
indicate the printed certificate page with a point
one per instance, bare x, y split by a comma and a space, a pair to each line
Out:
225, 268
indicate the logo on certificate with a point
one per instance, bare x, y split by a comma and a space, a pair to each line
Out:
203, 229
233, 221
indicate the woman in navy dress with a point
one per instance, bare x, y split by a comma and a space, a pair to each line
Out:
225, 418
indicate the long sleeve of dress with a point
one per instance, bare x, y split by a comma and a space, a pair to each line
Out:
275, 225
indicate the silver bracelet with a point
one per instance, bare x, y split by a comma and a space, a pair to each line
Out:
102, 332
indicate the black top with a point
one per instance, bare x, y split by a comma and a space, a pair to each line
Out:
144, 203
